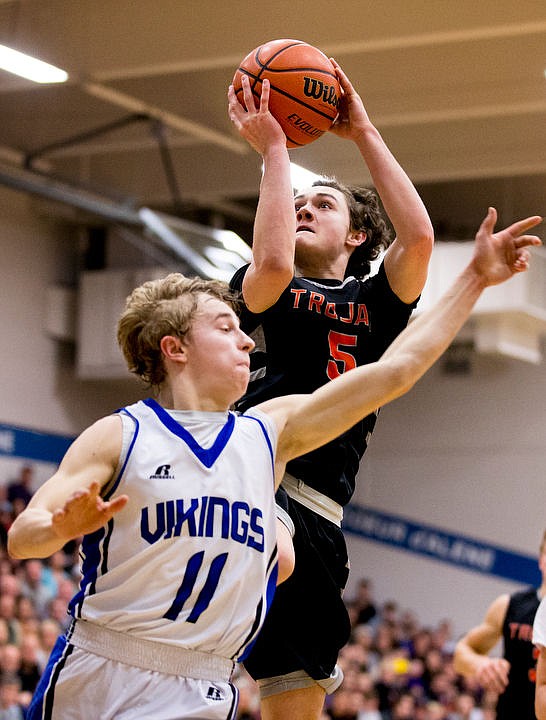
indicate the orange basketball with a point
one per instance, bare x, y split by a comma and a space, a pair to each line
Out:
304, 92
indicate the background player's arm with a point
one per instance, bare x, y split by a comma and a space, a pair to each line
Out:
69, 503
285, 550
406, 260
274, 237
471, 653
308, 421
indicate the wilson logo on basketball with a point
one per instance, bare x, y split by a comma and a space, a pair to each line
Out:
316, 89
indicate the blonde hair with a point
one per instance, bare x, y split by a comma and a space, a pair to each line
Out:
158, 308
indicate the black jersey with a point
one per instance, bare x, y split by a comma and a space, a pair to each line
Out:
518, 700
317, 330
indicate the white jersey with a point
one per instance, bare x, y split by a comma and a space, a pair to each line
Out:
539, 624
192, 559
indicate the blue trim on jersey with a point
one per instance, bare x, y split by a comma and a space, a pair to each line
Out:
273, 569
266, 435
114, 487
41, 706
207, 456
234, 703
91, 561
94, 556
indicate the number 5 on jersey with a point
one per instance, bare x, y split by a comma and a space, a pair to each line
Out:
342, 359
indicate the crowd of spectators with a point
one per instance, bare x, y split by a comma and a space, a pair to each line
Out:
395, 668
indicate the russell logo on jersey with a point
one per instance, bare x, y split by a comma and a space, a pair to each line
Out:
214, 694
163, 472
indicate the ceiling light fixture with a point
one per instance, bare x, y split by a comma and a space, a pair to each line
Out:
301, 177
28, 67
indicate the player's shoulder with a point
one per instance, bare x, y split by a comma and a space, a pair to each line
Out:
104, 427
236, 282
278, 409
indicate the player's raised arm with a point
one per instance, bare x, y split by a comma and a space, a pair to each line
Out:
315, 419
407, 259
471, 653
274, 235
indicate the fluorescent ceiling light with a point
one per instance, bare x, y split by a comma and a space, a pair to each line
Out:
29, 67
301, 177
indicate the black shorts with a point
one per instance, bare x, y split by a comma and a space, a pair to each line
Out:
308, 623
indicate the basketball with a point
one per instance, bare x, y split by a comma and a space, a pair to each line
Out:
305, 91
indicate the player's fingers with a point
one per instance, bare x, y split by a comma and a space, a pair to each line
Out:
526, 224
344, 81
521, 262
94, 488
496, 681
524, 242
488, 223
77, 495
503, 669
264, 98
233, 102
57, 515
114, 506
247, 95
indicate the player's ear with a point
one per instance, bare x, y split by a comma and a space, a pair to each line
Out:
173, 348
357, 238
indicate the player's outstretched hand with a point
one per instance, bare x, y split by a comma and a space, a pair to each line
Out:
84, 512
499, 255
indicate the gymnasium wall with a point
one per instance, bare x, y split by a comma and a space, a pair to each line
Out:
462, 453
39, 387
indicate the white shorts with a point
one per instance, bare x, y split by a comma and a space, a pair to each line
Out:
79, 685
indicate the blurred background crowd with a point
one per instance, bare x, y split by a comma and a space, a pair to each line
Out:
395, 667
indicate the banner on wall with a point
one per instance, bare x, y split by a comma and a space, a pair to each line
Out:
33, 445
21, 446
461, 550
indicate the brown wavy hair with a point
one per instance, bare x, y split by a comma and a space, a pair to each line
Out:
365, 216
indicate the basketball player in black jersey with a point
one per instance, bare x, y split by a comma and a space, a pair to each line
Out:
512, 676
305, 296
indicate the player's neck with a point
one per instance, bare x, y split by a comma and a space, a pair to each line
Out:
333, 271
183, 398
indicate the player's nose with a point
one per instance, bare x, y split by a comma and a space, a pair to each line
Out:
304, 212
247, 343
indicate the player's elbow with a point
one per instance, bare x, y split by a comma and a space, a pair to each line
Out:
458, 664
14, 547
423, 235
403, 374
275, 266
263, 287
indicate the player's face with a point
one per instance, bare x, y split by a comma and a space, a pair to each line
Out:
322, 222
218, 353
